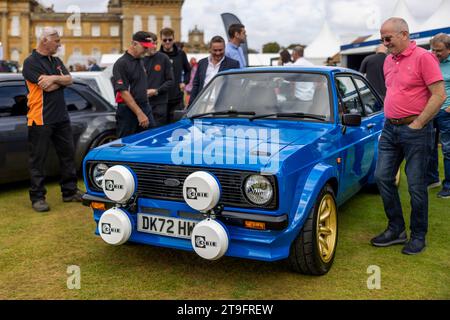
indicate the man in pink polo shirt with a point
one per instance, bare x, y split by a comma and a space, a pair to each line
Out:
415, 93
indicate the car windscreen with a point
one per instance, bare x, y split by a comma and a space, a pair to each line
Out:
91, 83
266, 93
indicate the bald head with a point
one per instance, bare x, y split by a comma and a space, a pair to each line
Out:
395, 35
396, 24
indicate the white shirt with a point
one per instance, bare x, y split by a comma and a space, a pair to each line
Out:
303, 90
212, 70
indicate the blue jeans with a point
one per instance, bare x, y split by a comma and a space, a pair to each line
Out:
398, 143
442, 125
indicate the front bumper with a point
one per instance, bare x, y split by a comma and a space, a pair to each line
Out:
269, 245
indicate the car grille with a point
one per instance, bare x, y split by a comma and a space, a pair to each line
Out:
151, 185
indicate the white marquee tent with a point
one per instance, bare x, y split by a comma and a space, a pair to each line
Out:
440, 19
326, 44
401, 10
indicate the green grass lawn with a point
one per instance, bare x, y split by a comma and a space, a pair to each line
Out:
36, 250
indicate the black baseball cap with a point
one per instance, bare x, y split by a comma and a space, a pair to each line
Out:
144, 38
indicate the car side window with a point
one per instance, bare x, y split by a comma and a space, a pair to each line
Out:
75, 102
351, 104
13, 101
370, 101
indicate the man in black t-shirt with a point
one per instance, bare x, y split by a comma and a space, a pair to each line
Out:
134, 114
159, 81
372, 67
48, 120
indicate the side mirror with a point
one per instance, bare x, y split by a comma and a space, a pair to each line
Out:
351, 120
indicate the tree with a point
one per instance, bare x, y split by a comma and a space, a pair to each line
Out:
292, 46
271, 47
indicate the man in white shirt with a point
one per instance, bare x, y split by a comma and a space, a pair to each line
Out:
304, 91
210, 66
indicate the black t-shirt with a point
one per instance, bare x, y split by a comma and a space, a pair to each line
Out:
372, 66
44, 107
129, 75
159, 76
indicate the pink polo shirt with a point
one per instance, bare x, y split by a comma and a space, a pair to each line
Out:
408, 76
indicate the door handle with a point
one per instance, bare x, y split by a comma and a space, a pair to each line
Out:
370, 126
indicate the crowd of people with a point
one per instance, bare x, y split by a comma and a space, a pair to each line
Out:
150, 87
153, 86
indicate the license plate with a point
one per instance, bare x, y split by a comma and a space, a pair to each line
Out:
166, 226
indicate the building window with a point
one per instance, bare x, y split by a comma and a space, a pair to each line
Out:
152, 27
95, 31
137, 24
96, 53
77, 31
15, 55
76, 51
114, 31
38, 31
167, 22
15, 26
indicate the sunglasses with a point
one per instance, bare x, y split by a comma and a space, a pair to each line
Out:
167, 40
388, 38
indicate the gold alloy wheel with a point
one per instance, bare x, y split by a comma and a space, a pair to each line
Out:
326, 229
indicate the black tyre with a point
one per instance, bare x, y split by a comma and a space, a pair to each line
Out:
313, 251
104, 138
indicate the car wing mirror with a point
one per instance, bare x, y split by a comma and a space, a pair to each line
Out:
351, 120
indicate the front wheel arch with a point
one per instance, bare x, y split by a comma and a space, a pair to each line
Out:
306, 255
103, 138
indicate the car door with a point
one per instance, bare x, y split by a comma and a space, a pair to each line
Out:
373, 115
13, 131
357, 145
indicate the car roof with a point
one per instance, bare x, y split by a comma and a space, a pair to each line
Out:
319, 69
86, 74
19, 77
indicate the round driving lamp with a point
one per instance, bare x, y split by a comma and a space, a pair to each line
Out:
258, 190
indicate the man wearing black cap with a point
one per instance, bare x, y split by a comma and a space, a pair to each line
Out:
134, 114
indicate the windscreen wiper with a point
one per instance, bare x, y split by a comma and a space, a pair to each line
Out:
224, 113
291, 115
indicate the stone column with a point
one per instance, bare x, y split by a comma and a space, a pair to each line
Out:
25, 36
4, 38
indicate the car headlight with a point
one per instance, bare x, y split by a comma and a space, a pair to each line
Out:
98, 174
258, 190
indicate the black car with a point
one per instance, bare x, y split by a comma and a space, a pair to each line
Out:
9, 66
92, 117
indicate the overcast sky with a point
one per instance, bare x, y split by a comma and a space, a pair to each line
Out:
284, 21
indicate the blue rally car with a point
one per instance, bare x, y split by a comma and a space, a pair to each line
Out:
256, 169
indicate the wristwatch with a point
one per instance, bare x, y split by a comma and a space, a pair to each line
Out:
157, 92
